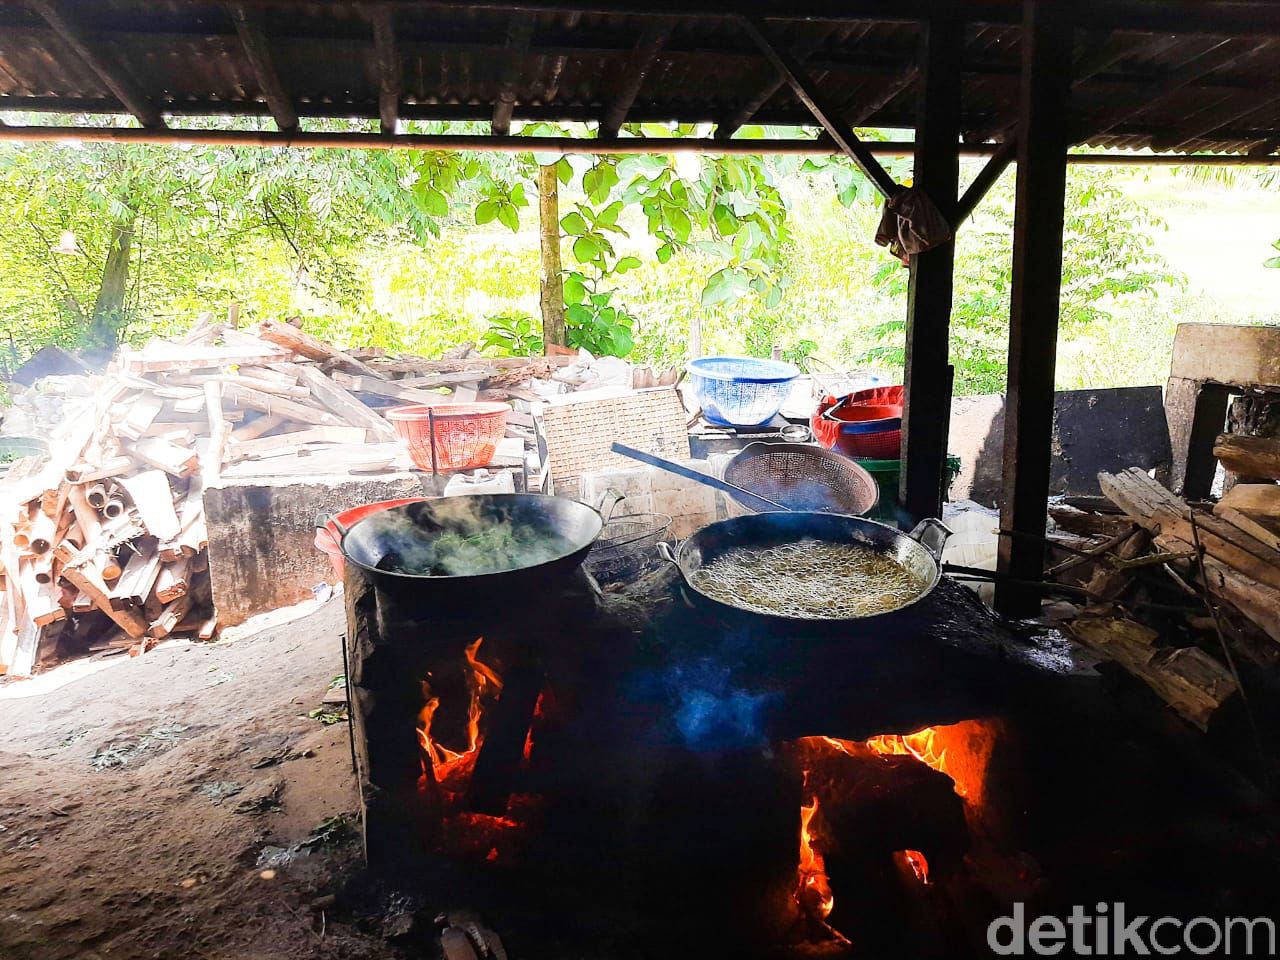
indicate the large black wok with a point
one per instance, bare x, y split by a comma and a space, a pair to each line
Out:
375, 543
920, 551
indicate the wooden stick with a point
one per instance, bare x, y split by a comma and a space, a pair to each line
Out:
211, 463
308, 346
257, 427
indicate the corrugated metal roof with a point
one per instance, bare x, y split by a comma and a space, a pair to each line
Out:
187, 57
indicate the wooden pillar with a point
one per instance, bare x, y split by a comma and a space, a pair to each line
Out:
1033, 313
926, 416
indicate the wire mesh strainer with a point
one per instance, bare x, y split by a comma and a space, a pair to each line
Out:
802, 477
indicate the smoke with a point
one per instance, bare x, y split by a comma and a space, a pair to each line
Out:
455, 537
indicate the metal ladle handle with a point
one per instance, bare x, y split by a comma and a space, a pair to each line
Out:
697, 476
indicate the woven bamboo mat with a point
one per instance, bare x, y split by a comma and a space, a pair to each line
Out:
579, 434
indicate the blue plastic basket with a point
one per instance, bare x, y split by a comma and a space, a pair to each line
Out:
740, 391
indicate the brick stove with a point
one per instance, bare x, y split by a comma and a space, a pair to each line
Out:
625, 769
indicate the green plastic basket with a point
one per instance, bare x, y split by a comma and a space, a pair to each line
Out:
886, 474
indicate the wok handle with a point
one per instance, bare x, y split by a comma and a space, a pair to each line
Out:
667, 554
931, 534
609, 502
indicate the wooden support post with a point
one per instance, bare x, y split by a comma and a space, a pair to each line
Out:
387, 61
817, 104
1194, 464
1036, 287
258, 50
646, 51
926, 415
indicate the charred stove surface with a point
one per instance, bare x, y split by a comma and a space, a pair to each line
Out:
661, 782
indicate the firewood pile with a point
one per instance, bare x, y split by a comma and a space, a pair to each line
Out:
1151, 567
103, 545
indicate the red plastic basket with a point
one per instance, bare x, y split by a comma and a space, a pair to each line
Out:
467, 434
864, 407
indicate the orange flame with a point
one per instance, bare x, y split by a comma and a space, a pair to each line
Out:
914, 860
813, 891
445, 765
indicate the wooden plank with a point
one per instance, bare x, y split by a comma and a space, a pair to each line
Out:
985, 180
1253, 457
164, 625
1227, 353
153, 499
247, 377
211, 462
256, 427
142, 413
172, 581
297, 341
163, 455
339, 402
165, 357
291, 441
397, 390
136, 581
926, 415
1254, 499
81, 572
1033, 313
1250, 526
257, 400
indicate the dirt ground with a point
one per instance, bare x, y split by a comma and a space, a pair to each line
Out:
162, 807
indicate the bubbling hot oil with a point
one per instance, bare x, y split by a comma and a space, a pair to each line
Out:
809, 580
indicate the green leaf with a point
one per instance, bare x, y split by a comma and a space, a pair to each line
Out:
564, 170
573, 224
665, 252
509, 218
723, 286
486, 212
579, 314
585, 249
435, 203
1273, 262
574, 289
625, 264
517, 196
725, 220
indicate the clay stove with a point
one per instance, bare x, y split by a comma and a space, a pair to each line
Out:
641, 772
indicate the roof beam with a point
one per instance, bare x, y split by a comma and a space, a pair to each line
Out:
258, 50
1221, 54
904, 80
519, 36
113, 76
642, 57
985, 180
770, 84
818, 105
387, 61
1218, 115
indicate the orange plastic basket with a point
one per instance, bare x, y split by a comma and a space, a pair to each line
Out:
467, 434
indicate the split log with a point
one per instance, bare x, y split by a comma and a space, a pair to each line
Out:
1249, 456
1079, 522
1255, 500
293, 410
137, 581
1254, 528
1186, 678
286, 442
339, 402
170, 618
255, 428
172, 581
296, 341
211, 463
166, 357
80, 571
400, 390
112, 467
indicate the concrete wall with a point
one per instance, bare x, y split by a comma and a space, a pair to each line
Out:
261, 536
1093, 431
